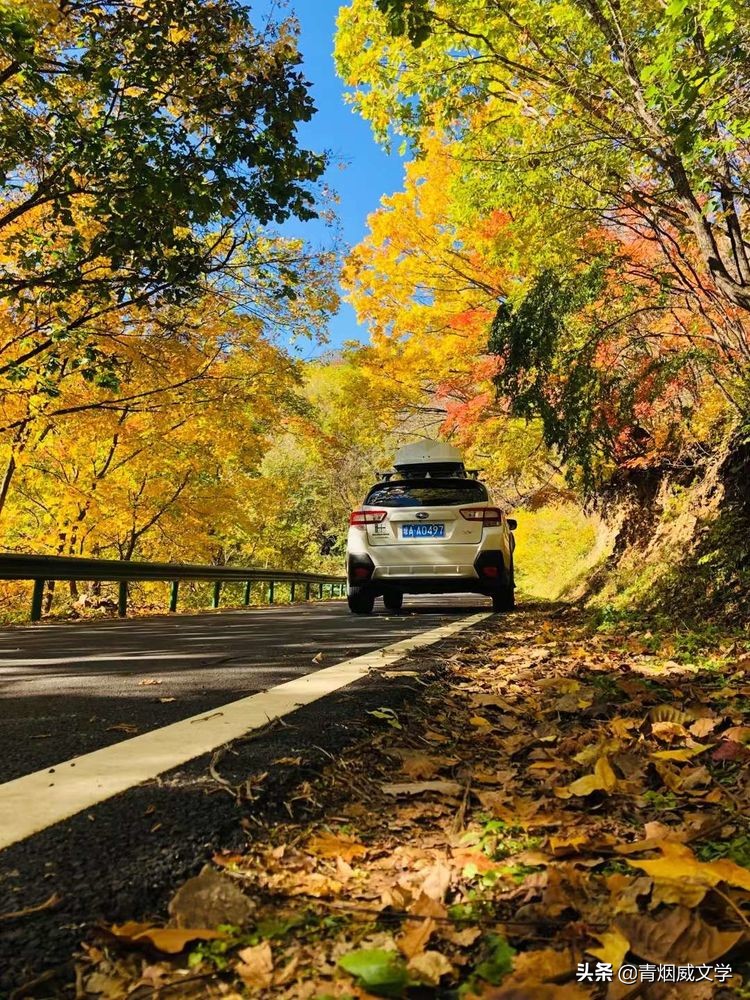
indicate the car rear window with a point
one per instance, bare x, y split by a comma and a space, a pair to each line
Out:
427, 493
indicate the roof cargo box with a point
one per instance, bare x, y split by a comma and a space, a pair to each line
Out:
429, 458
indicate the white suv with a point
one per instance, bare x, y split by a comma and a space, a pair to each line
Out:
428, 528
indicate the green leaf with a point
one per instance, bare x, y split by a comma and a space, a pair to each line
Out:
499, 960
381, 972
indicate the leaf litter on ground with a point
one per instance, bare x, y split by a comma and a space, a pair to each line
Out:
548, 797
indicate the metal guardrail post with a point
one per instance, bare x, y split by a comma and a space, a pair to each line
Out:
42, 569
122, 599
36, 600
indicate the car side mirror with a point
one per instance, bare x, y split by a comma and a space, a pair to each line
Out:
512, 523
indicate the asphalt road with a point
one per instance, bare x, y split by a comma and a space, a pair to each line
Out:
67, 689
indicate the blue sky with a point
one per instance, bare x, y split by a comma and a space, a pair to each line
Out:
369, 173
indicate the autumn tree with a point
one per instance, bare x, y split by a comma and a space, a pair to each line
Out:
613, 144
145, 149
427, 280
579, 109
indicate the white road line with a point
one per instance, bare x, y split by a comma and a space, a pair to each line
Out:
41, 799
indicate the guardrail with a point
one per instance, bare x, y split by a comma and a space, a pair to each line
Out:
40, 569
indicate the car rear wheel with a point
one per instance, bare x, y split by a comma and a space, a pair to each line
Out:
361, 602
504, 600
393, 600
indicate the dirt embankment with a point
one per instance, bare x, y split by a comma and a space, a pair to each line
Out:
676, 539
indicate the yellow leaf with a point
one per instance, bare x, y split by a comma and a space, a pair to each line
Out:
668, 731
480, 722
679, 863
621, 726
613, 948
683, 892
684, 753
561, 846
603, 779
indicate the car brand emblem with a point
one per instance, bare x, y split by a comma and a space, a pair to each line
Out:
422, 515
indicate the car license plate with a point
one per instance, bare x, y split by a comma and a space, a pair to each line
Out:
423, 531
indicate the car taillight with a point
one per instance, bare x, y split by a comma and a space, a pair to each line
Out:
489, 516
359, 518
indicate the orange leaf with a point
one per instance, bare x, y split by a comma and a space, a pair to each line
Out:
170, 940
332, 845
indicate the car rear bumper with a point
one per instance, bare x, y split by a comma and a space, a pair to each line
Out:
432, 585
482, 572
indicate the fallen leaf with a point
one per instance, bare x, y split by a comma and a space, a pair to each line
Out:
421, 765
625, 892
333, 845
314, 884
416, 936
422, 787
528, 990
437, 878
149, 682
730, 750
679, 863
543, 964
256, 965
462, 939
684, 753
668, 731
740, 734
318, 658
479, 722
122, 727
50, 903
378, 970
170, 940
429, 967
613, 947
286, 974
466, 857
603, 779
678, 937
428, 906
621, 726
165, 701
562, 846
704, 726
